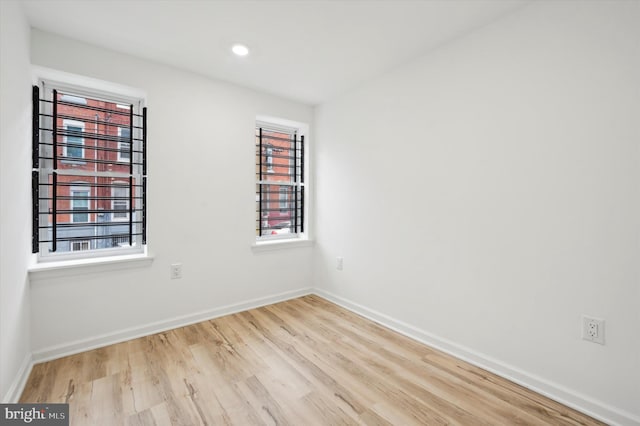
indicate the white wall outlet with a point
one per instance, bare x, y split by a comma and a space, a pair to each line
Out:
339, 262
593, 329
176, 271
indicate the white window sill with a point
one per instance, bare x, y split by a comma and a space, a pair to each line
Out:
66, 268
280, 244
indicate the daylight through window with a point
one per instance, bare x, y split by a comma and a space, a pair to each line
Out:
89, 172
280, 186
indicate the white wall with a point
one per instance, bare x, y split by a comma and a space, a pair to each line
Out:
201, 205
488, 195
15, 190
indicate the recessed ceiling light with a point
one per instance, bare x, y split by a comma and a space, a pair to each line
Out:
240, 49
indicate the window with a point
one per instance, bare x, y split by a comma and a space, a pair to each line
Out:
73, 142
120, 202
124, 144
280, 182
269, 159
79, 205
80, 245
284, 199
96, 206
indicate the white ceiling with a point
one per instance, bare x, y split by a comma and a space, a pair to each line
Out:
304, 50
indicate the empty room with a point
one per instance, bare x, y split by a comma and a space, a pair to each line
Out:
320, 212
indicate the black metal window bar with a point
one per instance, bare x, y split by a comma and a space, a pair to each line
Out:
89, 172
280, 182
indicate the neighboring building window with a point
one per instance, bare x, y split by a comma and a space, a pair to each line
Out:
120, 202
73, 146
280, 182
80, 205
80, 245
284, 198
97, 203
269, 156
124, 147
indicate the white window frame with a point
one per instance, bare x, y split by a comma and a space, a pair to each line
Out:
48, 79
302, 129
123, 144
65, 155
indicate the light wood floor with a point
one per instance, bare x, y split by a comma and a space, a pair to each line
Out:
301, 362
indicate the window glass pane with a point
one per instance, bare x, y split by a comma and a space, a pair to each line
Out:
74, 138
120, 240
277, 217
80, 202
124, 147
278, 149
284, 198
80, 245
85, 205
120, 203
279, 183
269, 153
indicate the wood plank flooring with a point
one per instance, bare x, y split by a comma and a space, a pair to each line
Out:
301, 362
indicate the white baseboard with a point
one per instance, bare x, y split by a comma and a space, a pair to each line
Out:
17, 386
594, 408
83, 345
597, 409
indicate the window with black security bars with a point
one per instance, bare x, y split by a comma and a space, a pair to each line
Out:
280, 186
89, 172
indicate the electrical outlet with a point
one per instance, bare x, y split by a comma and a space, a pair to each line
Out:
339, 262
593, 329
176, 271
